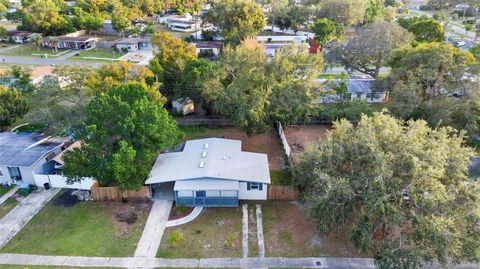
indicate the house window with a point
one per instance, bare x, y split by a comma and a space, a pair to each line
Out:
254, 186
1, 173
369, 96
200, 193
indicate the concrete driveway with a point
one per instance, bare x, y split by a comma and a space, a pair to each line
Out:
20, 215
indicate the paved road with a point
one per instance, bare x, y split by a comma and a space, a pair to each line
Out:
14, 221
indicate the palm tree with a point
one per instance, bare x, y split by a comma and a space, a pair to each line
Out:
53, 40
37, 39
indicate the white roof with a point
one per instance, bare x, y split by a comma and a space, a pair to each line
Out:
206, 185
223, 159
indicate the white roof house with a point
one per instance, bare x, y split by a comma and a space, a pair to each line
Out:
213, 172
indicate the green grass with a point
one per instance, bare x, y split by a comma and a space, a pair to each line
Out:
216, 233
27, 50
9, 25
100, 53
8, 205
5, 190
281, 177
79, 59
198, 132
87, 229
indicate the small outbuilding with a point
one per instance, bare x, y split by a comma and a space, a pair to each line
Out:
183, 106
212, 172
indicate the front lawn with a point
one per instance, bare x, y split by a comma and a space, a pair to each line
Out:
28, 50
87, 229
216, 233
99, 53
290, 232
8, 205
4, 190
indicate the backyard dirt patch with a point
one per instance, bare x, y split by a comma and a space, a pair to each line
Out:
268, 142
290, 232
216, 233
300, 136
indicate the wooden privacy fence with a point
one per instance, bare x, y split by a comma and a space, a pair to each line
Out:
114, 194
282, 193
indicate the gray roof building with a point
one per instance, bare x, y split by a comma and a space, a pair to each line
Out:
212, 158
24, 149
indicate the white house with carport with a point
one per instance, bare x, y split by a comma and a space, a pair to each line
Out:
212, 172
30, 158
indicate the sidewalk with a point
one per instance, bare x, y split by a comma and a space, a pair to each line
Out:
279, 262
193, 215
20, 215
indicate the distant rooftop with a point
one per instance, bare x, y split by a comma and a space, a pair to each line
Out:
213, 158
353, 85
20, 149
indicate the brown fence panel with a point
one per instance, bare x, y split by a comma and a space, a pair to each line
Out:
282, 193
114, 194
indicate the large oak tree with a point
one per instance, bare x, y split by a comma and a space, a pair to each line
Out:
400, 189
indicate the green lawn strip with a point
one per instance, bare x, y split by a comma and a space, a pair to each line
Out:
99, 53
8, 205
87, 229
216, 233
5, 190
80, 59
281, 177
198, 132
29, 51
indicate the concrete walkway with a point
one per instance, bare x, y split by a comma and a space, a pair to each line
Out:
20, 215
245, 231
8, 194
261, 241
308, 262
152, 233
193, 215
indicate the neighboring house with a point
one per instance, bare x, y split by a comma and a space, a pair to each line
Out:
212, 172
20, 37
181, 23
28, 158
73, 42
183, 106
275, 43
107, 28
209, 48
134, 44
357, 90
41, 74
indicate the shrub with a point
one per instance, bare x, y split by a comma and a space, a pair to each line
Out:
175, 238
180, 209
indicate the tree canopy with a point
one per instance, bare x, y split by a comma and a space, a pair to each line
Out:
424, 29
371, 48
435, 82
13, 105
236, 19
346, 12
400, 189
44, 16
124, 131
255, 92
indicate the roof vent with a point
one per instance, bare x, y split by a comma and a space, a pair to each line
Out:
204, 154
202, 164
205, 146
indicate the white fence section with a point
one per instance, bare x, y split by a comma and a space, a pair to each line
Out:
59, 181
285, 144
